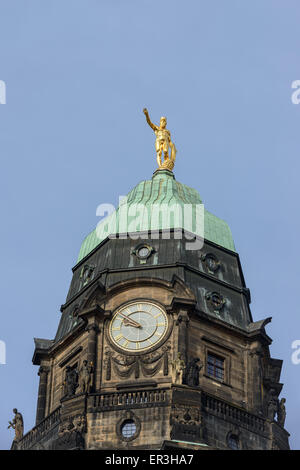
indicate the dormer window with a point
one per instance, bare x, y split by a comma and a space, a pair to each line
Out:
86, 275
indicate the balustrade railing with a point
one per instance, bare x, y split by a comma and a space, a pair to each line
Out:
36, 433
139, 399
222, 408
143, 399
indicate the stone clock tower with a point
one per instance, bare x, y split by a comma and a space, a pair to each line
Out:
156, 347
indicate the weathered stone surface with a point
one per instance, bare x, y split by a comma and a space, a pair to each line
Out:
207, 306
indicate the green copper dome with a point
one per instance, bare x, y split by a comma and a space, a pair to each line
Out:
150, 206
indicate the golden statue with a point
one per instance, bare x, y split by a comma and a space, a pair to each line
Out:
162, 143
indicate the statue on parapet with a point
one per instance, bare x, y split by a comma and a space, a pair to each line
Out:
17, 424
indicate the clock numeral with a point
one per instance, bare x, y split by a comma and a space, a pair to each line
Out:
126, 343
117, 338
137, 345
158, 315
115, 328
160, 324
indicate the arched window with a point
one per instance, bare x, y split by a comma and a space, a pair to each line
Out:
233, 442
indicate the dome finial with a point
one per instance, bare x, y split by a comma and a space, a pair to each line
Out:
162, 143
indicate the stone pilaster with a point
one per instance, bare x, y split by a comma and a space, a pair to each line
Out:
42, 393
256, 371
182, 324
92, 317
93, 331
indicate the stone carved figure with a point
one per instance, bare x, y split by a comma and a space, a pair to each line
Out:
71, 382
162, 143
178, 366
71, 434
272, 408
191, 374
17, 424
65, 428
85, 377
79, 423
281, 414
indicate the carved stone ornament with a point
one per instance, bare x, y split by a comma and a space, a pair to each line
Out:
211, 262
71, 434
185, 415
215, 300
146, 365
186, 423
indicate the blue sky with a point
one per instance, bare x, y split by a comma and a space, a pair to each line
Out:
72, 136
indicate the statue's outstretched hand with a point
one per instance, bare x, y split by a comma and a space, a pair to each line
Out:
145, 111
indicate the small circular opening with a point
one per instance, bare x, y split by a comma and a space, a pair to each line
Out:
128, 428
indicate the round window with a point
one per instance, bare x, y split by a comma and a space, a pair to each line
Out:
128, 428
144, 252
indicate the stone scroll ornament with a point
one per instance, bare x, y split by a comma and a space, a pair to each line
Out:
163, 143
148, 365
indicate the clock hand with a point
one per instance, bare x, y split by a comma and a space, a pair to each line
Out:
130, 321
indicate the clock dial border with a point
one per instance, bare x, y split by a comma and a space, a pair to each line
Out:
135, 352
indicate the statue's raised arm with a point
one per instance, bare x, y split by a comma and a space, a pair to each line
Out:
153, 126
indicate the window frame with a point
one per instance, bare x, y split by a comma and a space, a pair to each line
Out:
215, 367
220, 354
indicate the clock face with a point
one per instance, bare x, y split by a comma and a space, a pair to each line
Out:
138, 326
